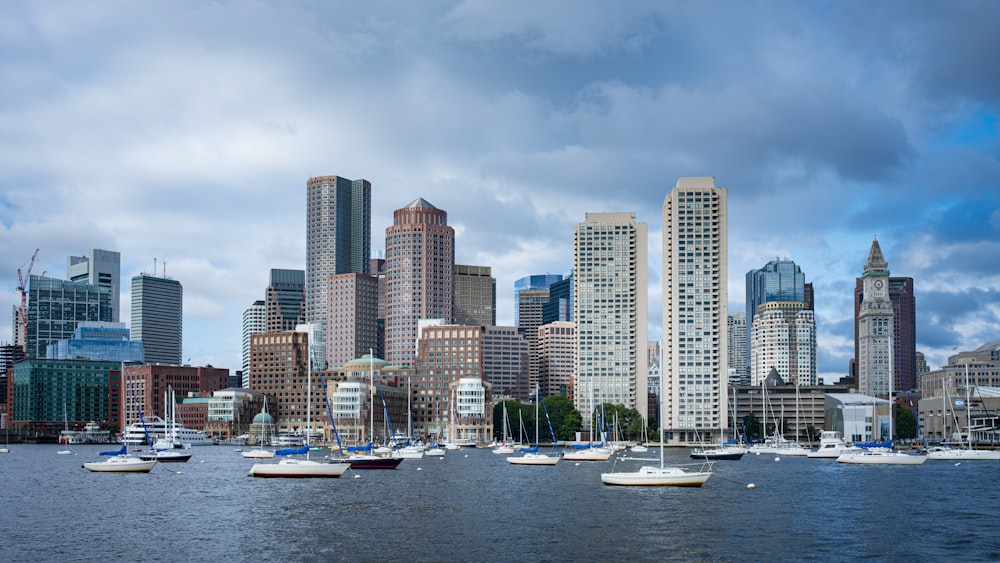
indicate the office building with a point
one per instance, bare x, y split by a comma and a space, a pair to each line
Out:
158, 318
874, 327
738, 371
285, 300
778, 280
695, 365
533, 282
254, 322
784, 339
530, 303
610, 308
99, 342
352, 330
420, 263
475, 295
559, 304
505, 361
279, 368
338, 237
48, 395
146, 386
56, 307
904, 329
446, 353
556, 358
100, 267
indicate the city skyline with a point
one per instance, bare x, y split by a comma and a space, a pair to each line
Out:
186, 146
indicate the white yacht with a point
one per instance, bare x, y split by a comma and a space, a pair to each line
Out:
832, 444
158, 429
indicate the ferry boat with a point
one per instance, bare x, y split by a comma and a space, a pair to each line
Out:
91, 434
158, 429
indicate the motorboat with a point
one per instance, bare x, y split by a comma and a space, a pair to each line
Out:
832, 445
963, 454
158, 429
719, 453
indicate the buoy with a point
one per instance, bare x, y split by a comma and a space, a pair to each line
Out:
420, 469
777, 459
957, 464
201, 461
466, 455
751, 486
357, 476
577, 464
180, 472
756, 453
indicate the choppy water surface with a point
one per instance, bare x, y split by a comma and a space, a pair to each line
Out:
473, 506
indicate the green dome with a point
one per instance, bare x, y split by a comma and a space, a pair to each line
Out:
263, 418
365, 362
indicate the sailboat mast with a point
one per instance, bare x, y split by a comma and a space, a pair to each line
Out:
371, 396
968, 407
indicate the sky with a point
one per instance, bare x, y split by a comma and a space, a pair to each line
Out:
182, 134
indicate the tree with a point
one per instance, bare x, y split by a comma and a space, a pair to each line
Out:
566, 420
516, 411
753, 427
906, 424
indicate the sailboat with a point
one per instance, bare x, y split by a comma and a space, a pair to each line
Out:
65, 432
883, 456
591, 451
664, 475
966, 453
260, 452
120, 461
299, 467
360, 460
168, 448
6, 435
531, 455
505, 447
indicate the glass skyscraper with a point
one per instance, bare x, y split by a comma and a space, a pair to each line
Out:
56, 307
158, 318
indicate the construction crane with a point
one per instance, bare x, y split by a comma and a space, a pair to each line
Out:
22, 310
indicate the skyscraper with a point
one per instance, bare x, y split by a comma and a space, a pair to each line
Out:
694, 364
475, 295
56, 307
254, 322
781, 325
875, 326
420, 263
338, 236
285, 300
101, 267
609, 286
559, 305
352, 330
529, 317
536, 281
900, 296
738, 374
158, 318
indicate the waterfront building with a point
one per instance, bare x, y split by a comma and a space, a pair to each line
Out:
874, 327
475, 295
610, 308
338, 237
420, 262
352, 395
801, 413
285, 300
100, 267
445, 353
473, 411
556, 358
279, 367
352, 328
784, 338
694, 363
505, 361
46, 395
904, 329
145, 387
56, 307
532, 282
158, 318
738, 366
97, 341
559, 305
859, 418
254, 322
231, 411
944, 414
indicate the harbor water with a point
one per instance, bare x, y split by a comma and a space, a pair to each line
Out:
470, 505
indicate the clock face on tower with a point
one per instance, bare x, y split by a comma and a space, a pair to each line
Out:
878, 284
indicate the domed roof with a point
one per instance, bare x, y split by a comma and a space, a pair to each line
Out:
263, 418
364, 362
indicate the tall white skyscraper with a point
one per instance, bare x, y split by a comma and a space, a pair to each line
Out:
609, 283
738, 349
158, 318
783, 337
694, 366
254, 322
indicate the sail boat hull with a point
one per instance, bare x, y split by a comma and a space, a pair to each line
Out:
121, 464
534, 459
302, 468
958, 454
882, 458
650, 476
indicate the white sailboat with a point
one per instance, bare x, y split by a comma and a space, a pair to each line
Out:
531, 455
300, 467
967, 452
260, 452
120, 461
65, 432
505, 447
662, 476
883, 456
168, 448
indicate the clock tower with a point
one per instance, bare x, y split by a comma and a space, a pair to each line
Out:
875, 327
